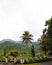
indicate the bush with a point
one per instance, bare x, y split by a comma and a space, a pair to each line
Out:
44, 57
18, 61
2, 59
41, 57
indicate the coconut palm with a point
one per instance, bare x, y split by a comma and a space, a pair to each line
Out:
27, 37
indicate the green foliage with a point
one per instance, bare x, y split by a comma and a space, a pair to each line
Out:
9, 49
46, 38
4, 51
14, 53
33, 51
41, 57
2, 58
23, 48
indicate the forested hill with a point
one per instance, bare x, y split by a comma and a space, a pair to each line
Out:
10, 44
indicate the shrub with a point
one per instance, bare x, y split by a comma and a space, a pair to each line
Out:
2, 59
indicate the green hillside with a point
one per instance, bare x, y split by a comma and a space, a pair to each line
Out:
23, 48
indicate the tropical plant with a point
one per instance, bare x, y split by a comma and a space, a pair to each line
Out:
27, 37
14, 53
5, 55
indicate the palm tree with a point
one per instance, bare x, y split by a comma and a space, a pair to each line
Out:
27, 37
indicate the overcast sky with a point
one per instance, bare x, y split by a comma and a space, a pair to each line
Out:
17, 16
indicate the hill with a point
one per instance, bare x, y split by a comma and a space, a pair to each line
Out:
10, 44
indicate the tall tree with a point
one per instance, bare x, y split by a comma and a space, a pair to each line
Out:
33, 51
27, 37
46, 38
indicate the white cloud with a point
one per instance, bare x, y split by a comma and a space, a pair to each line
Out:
19, 15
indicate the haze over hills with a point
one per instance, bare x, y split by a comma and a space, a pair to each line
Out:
10, 44
10, 40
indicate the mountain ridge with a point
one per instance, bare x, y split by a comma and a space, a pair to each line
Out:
10, 45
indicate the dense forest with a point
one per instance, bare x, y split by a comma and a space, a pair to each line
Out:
11, 45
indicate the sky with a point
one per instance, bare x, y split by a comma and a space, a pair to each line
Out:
17, 16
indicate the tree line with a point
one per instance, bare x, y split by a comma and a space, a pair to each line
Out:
45, 40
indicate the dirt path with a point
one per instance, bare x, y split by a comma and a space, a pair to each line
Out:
47, 63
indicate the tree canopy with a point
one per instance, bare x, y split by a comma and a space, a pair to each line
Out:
46, 38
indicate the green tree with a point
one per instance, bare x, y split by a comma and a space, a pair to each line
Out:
46, 38
4, 52
27, 37
33, 51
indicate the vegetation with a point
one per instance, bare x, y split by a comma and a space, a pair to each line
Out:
27, 37
14, 54
12, 51
33, 51
22, 53
46, 38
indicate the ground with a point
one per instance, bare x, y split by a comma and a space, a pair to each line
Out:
18, 64
33, 64
44, 63
47, 63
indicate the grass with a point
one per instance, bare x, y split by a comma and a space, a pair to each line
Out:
22, 64
32, 64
